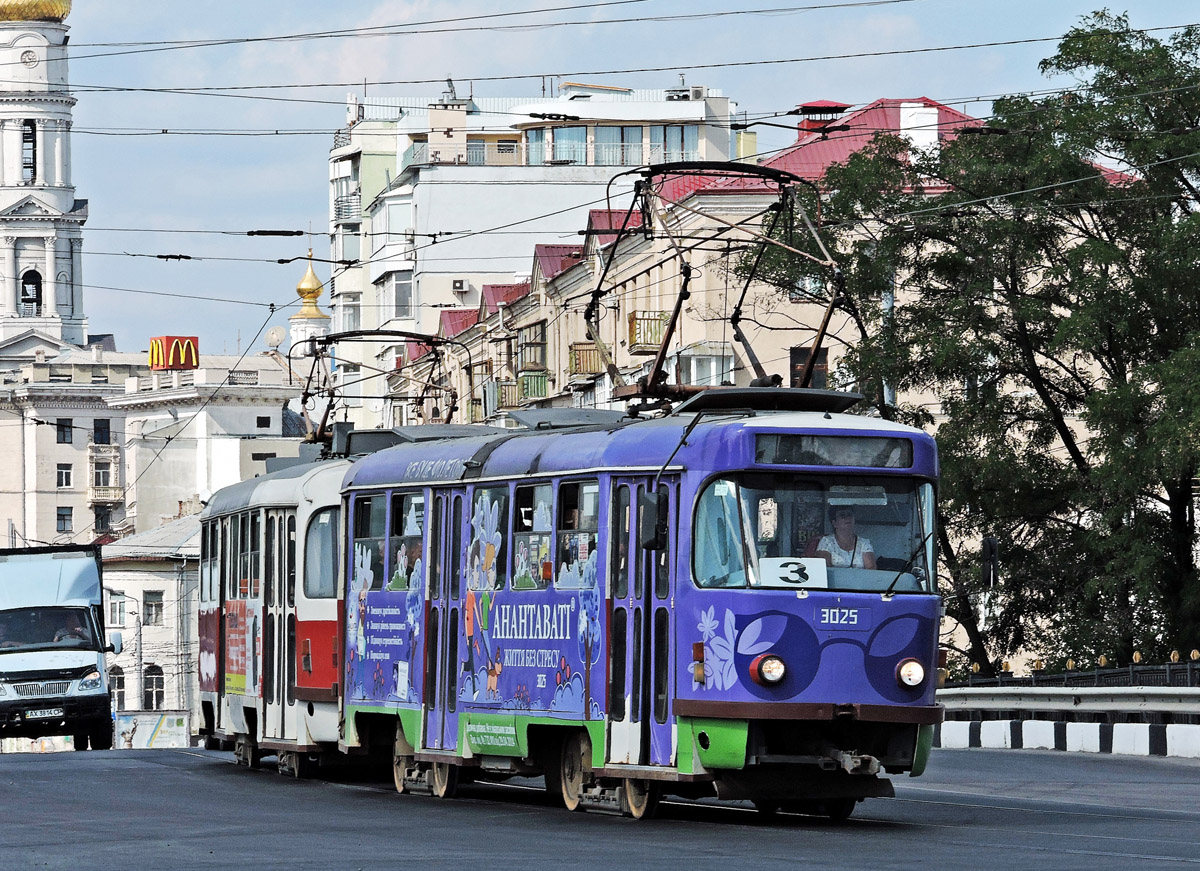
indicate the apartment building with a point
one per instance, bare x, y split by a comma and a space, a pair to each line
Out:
450, 209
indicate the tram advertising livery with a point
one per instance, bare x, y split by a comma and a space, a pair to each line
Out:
736, 599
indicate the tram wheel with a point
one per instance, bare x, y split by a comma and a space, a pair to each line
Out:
443, 779
246, 753
642, 797
570, 771
838, 809
400, 765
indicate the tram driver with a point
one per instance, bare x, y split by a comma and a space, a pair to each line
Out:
844, 547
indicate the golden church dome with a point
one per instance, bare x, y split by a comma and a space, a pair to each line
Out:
34, 10
308, 290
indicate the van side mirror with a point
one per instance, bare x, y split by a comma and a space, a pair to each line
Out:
652, 519
114, 643
990, 557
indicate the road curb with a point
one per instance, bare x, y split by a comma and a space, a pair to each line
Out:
1122, 739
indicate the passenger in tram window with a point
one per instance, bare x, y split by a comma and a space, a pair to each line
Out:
845, 548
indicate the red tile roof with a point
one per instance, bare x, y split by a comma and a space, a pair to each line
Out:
457, 320
414, 351
494, 294
555, 259
812, 154
603, 224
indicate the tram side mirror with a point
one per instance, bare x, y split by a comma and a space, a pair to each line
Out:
114, 643
652, 520
990, 557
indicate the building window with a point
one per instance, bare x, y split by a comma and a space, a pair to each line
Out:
402, 294
820, 373
63, 429
399, 220
31, 295
262, 457
116, 608
102, 475
350, 312
116, 684
533, 346
570, 145
64, 476
535, 141
263, 421
103, 519
705, 371
63, 520
102, 431
618, 146
674, 142
154, 689
29, 156
152, 608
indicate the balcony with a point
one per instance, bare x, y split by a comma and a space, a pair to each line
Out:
584, 359
105, 495
646, 330
347, 208
341, 138
510, 397
104, 452
532, 385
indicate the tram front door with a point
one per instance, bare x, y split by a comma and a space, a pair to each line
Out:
640, 717
442, 622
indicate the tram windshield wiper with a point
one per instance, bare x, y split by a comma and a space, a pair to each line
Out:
907, 564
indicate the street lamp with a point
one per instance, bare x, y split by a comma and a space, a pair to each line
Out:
137, 615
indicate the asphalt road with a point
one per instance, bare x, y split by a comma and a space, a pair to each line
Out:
974, 809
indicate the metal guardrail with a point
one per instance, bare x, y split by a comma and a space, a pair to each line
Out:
1171, 674
1139, 700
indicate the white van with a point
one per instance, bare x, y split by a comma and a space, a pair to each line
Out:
53, 677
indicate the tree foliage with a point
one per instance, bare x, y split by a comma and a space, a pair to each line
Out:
1047, 323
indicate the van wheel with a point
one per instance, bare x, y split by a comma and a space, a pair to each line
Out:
101, 738
838, 809
81, 741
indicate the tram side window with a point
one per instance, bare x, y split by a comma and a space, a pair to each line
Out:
226, 583
321, 555
719, 560
619, 559
405, 541
241, 554
289, 560
254, 560
487, 557
533, 537
270, 563
370, 515
578, 526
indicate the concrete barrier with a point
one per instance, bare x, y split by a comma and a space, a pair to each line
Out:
1127, 739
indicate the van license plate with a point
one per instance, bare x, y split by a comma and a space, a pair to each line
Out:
43, 713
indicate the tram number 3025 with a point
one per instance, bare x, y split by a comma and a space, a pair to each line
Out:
838, 616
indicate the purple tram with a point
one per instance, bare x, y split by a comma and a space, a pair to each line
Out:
737, 599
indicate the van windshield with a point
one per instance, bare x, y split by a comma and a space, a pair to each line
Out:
52, 628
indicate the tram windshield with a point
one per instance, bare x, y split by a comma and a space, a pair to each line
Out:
783, 531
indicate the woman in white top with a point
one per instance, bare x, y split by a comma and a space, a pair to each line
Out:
845, 548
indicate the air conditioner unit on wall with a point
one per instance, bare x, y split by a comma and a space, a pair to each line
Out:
459, 285
699, 92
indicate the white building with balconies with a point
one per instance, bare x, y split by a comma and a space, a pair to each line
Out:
467, 184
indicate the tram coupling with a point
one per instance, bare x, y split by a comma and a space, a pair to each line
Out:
849, 761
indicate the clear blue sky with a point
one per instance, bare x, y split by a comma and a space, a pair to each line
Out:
155, 183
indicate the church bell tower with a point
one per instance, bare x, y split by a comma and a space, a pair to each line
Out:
41, 222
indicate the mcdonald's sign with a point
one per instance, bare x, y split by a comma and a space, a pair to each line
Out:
174, 352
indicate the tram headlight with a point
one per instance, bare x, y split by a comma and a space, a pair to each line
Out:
767, 669
910, 673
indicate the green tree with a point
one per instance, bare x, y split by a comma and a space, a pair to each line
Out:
1047, 320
